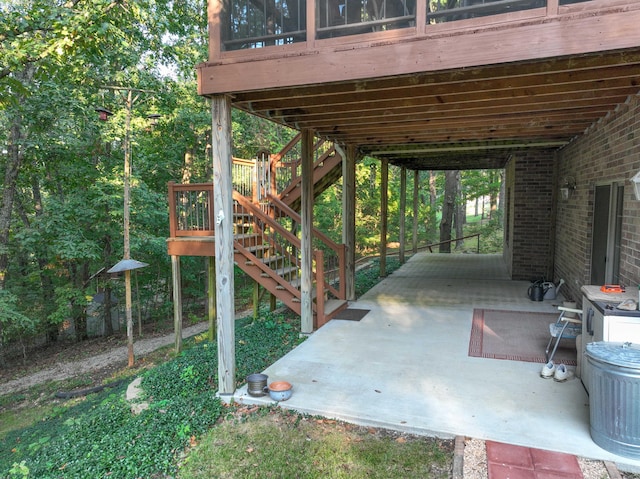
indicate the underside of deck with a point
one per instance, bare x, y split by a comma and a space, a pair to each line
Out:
458, 95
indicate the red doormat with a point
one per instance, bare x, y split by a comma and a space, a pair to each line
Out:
516, 335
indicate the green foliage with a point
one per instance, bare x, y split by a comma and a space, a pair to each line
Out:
19, 470
491, 234
258, 344
99, 436
13, 324
251, 134
66, 298
368, 277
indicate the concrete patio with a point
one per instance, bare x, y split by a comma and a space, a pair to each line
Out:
405, 365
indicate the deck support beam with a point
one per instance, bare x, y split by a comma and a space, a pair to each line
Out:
403, 211
211, 296
384, 207
416, 185
222, 206
306, 215
177, 302
349, 159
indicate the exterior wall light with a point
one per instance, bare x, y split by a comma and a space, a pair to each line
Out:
635, 181
567, 187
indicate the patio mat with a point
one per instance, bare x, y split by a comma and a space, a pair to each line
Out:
352, 314
516, 335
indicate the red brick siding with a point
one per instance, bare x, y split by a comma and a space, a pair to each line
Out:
609, 151
528, 243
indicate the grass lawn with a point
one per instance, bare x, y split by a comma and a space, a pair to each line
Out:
275, 443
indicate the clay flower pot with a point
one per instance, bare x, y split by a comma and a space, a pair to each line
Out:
280, 390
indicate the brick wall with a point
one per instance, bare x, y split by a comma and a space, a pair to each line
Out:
608, 152
529, 225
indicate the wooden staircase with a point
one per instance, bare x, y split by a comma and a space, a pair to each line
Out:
285, 165
265, 247
327, 169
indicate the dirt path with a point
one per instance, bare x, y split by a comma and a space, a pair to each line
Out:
70, 369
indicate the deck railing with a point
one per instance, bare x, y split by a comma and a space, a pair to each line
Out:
190, 209
272, 223
256, 23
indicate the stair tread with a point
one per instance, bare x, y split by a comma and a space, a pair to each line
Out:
334, 305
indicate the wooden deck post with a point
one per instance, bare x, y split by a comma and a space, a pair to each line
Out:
403, 211
306, 246
177, 302
416, 184
222, 204
211, 295
384, 206
349, 158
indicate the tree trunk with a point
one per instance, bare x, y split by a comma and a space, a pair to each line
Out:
501, 197
432, 190
493, 197
48, 293
12, 168
460, 217
448, 206
14, 160
46, 285
80, 277
108, 323
188, 166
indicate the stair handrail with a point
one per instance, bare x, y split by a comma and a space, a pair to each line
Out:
287, 235
338, 249
316, 164
257, 211
431, 245
277, 157
298, 219
265, 269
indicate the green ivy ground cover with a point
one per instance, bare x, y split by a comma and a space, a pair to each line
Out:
100, 437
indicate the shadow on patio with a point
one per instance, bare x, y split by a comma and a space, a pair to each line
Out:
405, 365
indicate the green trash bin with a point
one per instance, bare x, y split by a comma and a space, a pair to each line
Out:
614, 396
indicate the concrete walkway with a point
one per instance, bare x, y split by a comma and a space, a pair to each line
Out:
405, 365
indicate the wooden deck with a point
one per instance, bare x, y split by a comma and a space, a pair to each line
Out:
458, 94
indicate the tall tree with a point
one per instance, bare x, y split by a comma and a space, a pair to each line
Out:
448, 209
459, 215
